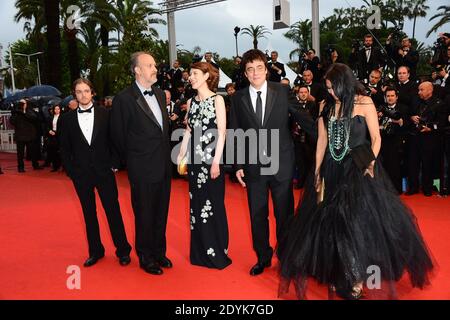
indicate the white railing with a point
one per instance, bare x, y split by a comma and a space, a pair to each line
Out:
7, 143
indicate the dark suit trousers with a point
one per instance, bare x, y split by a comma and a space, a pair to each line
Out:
390, 153
107, 190
150, 203
31, 150
421, 155
258, 199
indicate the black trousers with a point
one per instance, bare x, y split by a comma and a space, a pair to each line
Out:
391, 158
31, 150
107, 190
304, 159
422, 151
258, 200
53, 156
150, 203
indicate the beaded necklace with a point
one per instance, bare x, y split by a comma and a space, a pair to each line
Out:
338, 135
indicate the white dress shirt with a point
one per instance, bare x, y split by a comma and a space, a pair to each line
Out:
86, 122
54, 122
152, 103
254, 96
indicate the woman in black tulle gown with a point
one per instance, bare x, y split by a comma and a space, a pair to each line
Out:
361, 221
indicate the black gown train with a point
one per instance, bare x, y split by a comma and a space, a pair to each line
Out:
360, 223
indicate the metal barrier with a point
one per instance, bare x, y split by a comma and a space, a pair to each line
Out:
7, 143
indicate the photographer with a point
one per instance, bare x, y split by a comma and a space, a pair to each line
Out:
316, 91
403, 55
391, 117
276, 69
441, 51
424, 139
407, 89
374, 88
163, 76
25, 121
441, 76
368, 58
309, 61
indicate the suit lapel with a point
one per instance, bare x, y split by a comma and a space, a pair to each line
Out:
270, 100
142, 103
248, 106
97, 120
161, 104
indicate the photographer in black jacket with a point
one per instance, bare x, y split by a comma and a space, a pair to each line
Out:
25, 121
392, 119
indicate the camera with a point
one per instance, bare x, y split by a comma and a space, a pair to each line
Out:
390, 113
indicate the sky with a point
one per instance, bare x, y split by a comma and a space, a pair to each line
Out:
211, 27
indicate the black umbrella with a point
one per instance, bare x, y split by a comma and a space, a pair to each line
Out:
42, 91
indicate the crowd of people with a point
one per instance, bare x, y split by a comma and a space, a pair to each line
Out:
347, 133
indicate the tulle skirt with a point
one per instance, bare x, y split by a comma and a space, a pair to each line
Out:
361, 227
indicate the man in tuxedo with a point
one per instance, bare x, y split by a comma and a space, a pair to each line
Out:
304, 144
264, 107
369, 58
276, 69
403, 55
316, 91
374, 88
140, 134
89, 161
393, 120
407, 89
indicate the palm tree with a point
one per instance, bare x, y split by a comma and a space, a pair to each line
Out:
128, 12
256, 33
418, 8
51, 13
445, 18
300, 33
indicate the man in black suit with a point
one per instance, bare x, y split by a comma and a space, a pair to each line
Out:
261, 108
393, 119
403, 55
368, 58
140, 134
276, 69
89, 161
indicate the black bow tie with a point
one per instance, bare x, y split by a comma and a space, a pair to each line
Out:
149, 92
370, 48
86, 110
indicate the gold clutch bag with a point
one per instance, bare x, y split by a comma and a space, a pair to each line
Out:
182, 167
321, 192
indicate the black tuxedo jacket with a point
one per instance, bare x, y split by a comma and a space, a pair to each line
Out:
77, 155
279, 104
273, 74
137, 136
376, 61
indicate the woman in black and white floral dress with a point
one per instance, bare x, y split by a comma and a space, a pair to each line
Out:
206, 119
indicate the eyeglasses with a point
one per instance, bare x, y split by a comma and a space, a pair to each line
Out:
258, 69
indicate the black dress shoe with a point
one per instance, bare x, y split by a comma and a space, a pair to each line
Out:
259, 268
21, 170
124, 261
92, 260
410, 193
164, 262
152, 268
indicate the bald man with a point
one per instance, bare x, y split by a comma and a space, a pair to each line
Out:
424, 140
140, 133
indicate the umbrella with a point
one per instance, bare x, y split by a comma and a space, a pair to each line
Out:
15, 97
65, 102
42, 91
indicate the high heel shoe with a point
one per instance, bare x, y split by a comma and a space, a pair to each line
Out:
331, 292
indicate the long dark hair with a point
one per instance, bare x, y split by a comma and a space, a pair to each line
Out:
345, 87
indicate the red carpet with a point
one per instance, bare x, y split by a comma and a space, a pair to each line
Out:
42, 233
